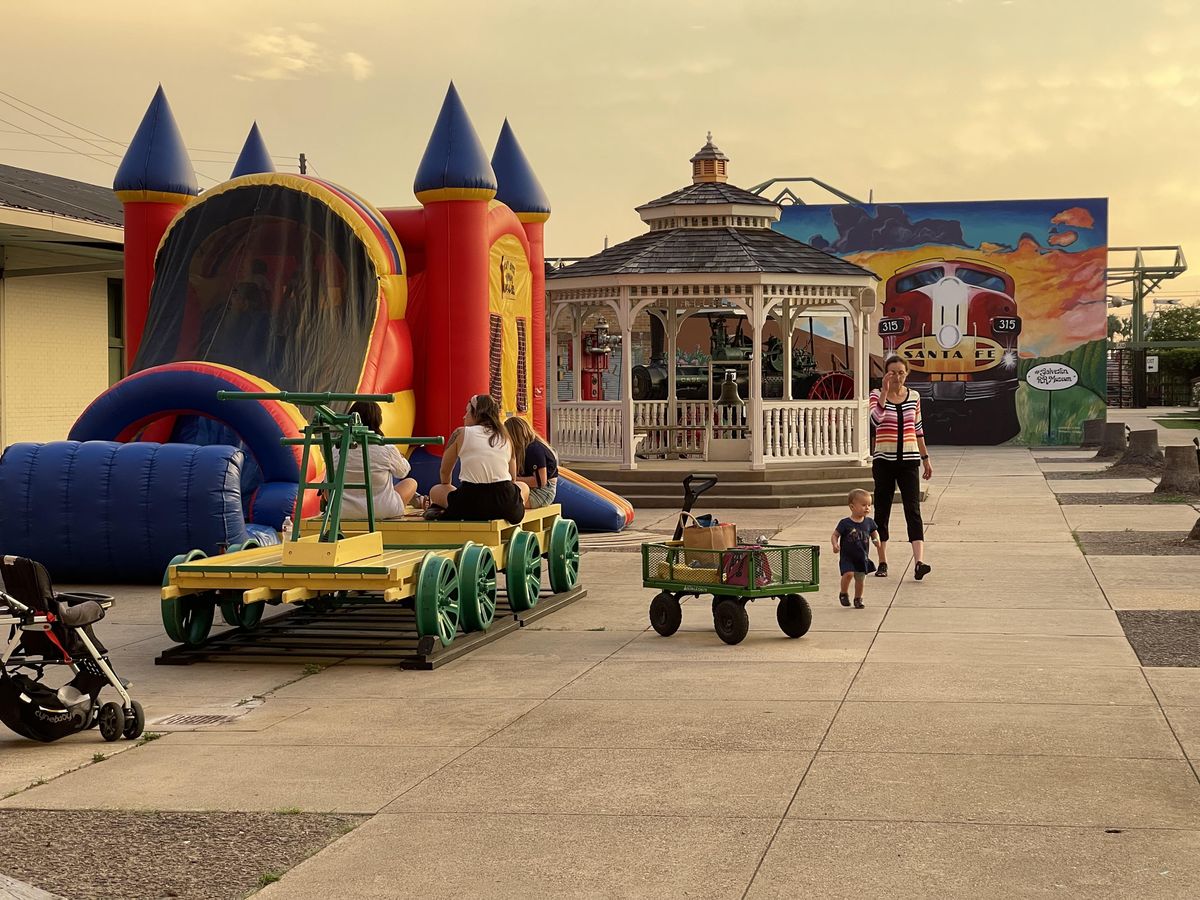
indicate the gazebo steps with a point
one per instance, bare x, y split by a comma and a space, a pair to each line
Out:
742, 501
633, 491
657, 484
673, 471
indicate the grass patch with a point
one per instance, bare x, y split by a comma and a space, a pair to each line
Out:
289, 811
148, 736
268, 878
98, 757
1191, 422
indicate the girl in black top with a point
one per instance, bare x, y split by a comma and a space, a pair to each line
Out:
537, 463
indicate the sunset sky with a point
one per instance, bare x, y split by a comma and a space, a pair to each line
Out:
925, 100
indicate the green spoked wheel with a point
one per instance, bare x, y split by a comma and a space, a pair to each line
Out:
476, 587
523, 575
564, 555
187, 619
436, 601
234, 610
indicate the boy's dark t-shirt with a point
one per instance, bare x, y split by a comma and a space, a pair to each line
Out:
856, 544
539, 456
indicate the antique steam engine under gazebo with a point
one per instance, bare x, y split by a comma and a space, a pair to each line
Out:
710, 269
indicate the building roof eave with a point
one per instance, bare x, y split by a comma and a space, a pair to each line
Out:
44, 226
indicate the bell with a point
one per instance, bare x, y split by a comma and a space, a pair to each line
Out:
729, 390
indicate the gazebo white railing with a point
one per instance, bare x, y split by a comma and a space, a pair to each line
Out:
803, 430
588, 430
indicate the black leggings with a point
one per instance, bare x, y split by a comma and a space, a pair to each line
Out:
888, 473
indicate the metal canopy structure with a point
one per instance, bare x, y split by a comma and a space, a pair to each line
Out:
787, 196
1144, 277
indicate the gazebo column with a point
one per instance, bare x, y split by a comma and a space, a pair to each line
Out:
785, 337
862, 367
578, 316
552, 312
625, 320
672, 328
755, 413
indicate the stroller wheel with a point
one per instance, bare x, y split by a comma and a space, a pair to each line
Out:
112, 721
135, 724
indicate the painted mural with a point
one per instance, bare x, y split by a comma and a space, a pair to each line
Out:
998, 306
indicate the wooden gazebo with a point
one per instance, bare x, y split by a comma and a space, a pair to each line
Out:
710, 250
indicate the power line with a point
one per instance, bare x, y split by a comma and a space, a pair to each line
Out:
52, 125
65, 135
279, 156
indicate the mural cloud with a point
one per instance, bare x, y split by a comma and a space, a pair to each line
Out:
1076, 217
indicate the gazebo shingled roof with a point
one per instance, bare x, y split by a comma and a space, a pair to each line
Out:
699, 250
706, 192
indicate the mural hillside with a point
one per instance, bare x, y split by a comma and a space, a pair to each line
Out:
975, 295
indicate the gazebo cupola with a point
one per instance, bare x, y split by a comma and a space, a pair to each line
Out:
710, 201
709, 163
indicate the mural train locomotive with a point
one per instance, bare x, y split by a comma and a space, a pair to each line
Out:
956, 323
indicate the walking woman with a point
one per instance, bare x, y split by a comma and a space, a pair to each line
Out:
900, 454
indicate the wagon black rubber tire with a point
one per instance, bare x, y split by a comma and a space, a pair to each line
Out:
731, 621
666, 615
793, 615
135, 724
112, 721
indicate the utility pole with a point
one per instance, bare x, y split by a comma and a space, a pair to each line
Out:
303, 164
1144, 278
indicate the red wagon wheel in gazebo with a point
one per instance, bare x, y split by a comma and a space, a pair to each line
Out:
833, 386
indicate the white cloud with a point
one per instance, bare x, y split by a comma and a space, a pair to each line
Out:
280, 55
357, 65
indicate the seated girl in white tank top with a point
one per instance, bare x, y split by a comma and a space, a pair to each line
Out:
487, 466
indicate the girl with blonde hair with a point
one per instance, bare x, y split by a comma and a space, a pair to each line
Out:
537, 463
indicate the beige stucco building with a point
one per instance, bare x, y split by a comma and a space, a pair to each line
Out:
61, 313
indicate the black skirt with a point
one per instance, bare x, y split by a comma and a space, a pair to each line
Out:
482, 502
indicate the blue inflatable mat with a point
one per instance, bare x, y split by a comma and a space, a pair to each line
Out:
102, 512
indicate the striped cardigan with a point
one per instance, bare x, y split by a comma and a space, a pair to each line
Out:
884, 415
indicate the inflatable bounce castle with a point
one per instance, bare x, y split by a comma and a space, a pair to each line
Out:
274, 281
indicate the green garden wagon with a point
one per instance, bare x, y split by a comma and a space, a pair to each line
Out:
734, 578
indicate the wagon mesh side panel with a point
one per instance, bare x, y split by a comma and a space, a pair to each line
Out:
750, 569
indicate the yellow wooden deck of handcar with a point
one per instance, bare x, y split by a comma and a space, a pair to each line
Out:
413, 531
446, 569
262, 574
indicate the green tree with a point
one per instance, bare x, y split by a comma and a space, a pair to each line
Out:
1118, 327
1175, 323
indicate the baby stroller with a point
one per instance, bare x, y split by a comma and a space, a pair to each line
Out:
48, 629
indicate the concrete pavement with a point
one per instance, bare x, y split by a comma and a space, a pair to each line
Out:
987, 730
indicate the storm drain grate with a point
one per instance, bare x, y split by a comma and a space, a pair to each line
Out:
182, 719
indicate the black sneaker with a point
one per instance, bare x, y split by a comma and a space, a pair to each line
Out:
922, 570
844, 599
881, 570
858, 604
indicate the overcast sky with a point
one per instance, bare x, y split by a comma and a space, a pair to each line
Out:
917, 100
